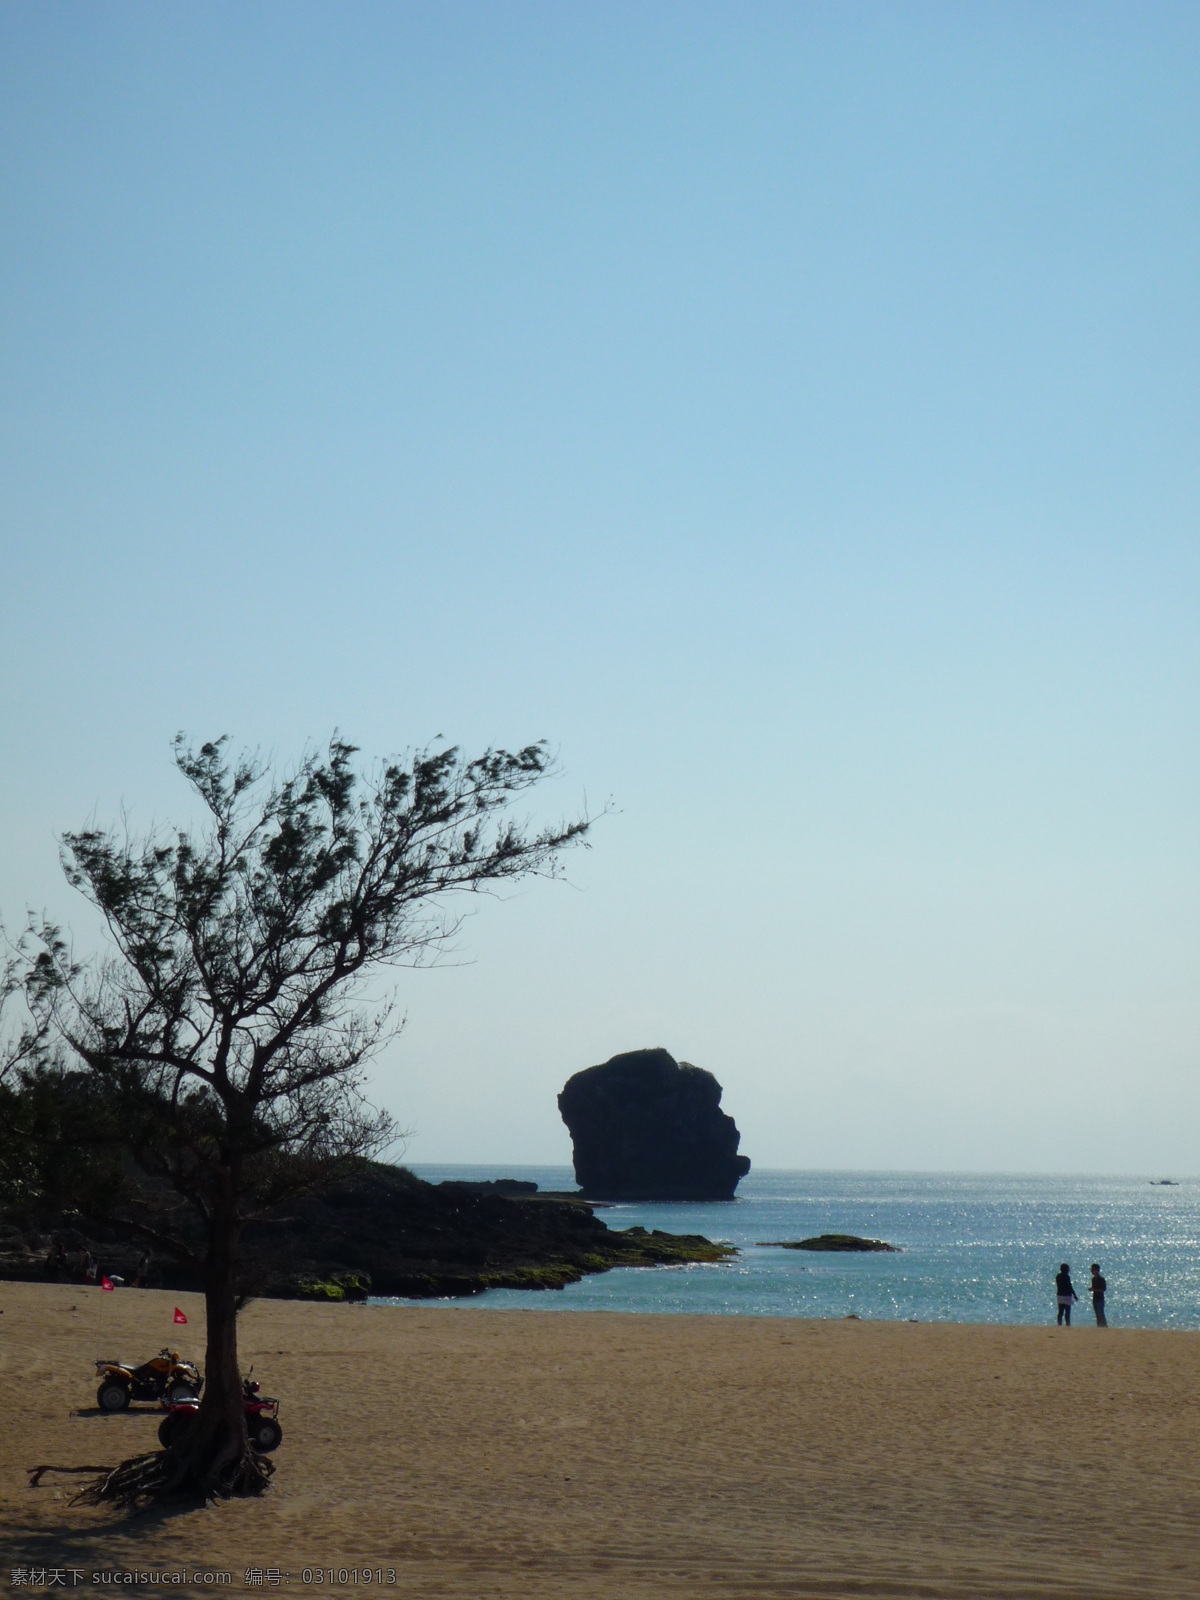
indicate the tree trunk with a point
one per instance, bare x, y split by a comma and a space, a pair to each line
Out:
221, 1406
210, 1456
213, 1455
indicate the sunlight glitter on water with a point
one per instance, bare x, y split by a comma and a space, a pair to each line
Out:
973, 1248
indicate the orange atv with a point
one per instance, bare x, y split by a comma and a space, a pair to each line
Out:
166, 1375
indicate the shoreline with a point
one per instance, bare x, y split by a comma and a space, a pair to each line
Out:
626, 1454
974, 1249
550, 1304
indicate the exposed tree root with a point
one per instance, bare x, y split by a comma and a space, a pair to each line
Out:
171, 1475
35, 1473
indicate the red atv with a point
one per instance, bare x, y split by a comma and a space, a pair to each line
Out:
262, 1418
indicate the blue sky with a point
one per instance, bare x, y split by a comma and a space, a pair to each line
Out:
789, 411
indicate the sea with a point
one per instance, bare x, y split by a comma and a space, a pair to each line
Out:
972, 1248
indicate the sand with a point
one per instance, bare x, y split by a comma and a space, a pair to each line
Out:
533, 1453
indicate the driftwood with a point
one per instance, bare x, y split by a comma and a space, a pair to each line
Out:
35, 1473
156, 1475
166, 1474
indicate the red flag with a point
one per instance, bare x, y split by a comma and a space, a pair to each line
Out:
106, 1282
179, 1316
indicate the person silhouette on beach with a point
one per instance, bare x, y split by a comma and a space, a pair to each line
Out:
1066, 1294
1099, 1286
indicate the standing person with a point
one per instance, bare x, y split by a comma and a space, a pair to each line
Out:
1099, 1285
1066, 1294
89, 1267
142, 1279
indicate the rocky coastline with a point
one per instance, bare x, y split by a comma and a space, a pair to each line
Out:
382, 1232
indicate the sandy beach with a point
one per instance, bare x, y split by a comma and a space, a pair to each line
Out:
537, 1453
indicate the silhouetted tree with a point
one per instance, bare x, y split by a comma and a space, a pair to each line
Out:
228, 1023
50, 1119
60, 1146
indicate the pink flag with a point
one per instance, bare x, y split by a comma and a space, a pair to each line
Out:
179, 1316
106, 1282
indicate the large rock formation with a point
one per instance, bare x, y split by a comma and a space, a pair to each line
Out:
647, 1127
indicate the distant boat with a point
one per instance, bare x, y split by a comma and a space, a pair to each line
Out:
1163, 1183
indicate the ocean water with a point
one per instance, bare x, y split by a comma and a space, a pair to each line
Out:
972, 1248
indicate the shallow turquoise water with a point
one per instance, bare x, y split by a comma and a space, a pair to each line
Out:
973, 1248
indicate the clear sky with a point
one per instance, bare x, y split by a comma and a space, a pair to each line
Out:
791, 411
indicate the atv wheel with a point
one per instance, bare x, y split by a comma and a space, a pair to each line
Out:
112, 1396
265, 1435
171, 1430
181, 1391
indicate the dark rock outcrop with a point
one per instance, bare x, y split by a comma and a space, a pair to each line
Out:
644, 1126
847, 1243
383, 1231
